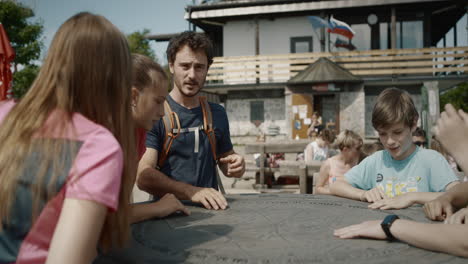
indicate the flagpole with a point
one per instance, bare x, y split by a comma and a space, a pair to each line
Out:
327, 38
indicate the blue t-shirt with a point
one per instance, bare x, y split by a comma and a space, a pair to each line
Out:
423, 171
185, 162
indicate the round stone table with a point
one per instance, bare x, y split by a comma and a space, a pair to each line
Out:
270, 228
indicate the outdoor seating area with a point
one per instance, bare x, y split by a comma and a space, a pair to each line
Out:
268, 132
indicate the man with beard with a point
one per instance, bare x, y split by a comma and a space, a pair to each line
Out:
189, 170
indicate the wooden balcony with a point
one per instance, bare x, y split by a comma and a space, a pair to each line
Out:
435, 62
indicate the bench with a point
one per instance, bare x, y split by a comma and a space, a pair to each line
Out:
305, 172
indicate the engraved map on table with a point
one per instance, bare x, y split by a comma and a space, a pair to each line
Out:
271, 228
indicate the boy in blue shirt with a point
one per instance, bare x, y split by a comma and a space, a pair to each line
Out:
402, 174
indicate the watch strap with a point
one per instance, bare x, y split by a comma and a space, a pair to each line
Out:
386, 224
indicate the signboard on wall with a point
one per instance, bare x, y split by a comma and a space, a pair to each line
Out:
302, 108
325, 87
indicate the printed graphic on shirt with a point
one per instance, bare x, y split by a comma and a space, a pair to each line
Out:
393, 187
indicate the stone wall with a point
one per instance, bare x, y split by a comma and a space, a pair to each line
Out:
352, 111
238, 112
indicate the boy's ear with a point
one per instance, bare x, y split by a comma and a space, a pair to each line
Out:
414, 126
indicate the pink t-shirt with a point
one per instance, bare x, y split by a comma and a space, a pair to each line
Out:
95, 175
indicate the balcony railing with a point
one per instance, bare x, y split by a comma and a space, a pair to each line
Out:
366, 64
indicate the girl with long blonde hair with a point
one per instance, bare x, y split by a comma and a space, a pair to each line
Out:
67, 152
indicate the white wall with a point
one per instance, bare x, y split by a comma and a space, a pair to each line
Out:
274, 38
239, 36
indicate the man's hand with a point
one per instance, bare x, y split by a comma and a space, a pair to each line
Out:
235, 165
169, 204
399, 202
372, 195
460, 217
369, 229
209, 197
439, 209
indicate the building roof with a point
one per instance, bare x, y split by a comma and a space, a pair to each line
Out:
222, 9
162, 37
324, 71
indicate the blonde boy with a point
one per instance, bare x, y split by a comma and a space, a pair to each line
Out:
333, 169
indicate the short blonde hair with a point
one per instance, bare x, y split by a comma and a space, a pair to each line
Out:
347, 139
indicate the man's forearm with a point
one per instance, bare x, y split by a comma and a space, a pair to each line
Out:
343, 189
157, 183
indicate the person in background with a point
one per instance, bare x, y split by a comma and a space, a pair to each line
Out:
67, 162
349, 143
315, 126
451, 130
403, 174
149, 91
318, 149
419, 138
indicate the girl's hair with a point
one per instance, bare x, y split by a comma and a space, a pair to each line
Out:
87, 71
327, 134
370, 148
347, 139
146, 72
435, 145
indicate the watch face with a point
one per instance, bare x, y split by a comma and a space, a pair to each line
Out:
372, 19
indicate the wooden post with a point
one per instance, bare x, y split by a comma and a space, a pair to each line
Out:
261, 184
257, 48
302, 171
433, 107
393, 28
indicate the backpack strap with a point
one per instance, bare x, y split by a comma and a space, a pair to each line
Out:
172, 131
209, 131
208, 124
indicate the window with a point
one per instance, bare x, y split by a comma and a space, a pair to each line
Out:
301, 44
257, 111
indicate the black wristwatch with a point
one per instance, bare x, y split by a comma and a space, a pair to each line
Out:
387, 223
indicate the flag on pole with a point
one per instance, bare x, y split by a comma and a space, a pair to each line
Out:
341, 28
339, 43
318, 22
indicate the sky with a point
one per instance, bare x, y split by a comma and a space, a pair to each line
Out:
159, 16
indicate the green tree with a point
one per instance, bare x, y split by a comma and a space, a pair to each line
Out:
23, 79
457, 96
25, 39
140, 44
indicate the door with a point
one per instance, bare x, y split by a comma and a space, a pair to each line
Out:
302, 107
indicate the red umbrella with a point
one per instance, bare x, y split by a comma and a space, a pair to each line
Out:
7, 54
